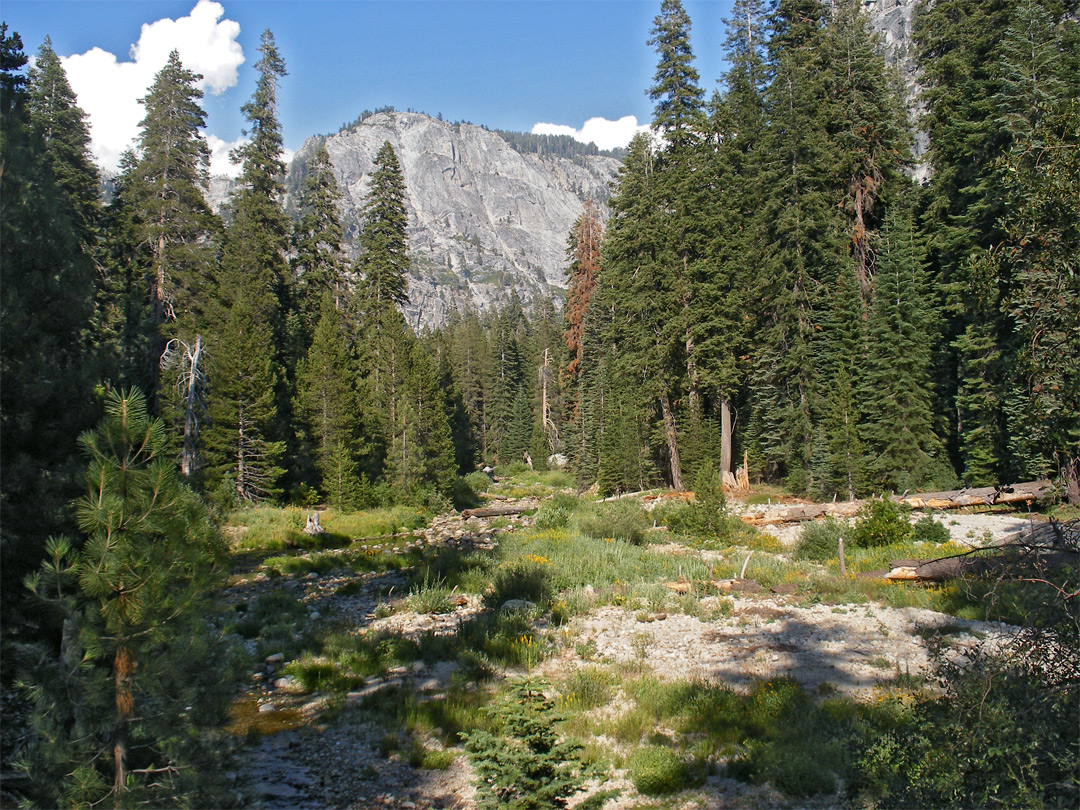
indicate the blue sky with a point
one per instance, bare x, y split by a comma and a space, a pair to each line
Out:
506, 64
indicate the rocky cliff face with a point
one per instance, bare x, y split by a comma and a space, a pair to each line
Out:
484, 220
893, 20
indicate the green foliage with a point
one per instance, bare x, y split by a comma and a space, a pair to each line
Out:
1003, 732
525, 578
619, 520
322, 675
928, 530
46, 305
656, 770
881, 522
586, 689
522, 763
557, 512
819, 540
479, 481
133, 683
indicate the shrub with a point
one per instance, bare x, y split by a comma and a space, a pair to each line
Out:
478, 481
463, 495
881, 522
321, 675
430, 596
555, 513
928, 530
620, 520
656, 769
587, 688
524, 578
523, 764
819, 540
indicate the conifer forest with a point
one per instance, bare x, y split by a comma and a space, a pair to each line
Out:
783, 300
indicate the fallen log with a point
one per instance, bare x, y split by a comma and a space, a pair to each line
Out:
1013, 494
496, 511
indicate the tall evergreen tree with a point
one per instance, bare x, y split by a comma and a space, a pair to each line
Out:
328, 402
317, 240
646, 324
125, 707
384, 256
249, 396
675, 89
167, 190
905, 453
1039, 178
46, 303
57, 120
804, 233
957, 43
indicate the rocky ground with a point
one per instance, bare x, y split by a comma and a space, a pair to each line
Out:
332, 758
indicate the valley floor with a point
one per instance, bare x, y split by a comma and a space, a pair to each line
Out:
349, 747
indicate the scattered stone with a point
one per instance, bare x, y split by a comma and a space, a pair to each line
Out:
511, 605
266, 708
289, 684
276, 658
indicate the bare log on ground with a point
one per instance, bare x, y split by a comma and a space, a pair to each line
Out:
1025, 493
496, 511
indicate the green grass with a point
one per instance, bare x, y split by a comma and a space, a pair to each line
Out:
277, 528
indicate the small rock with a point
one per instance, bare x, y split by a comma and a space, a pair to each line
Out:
276, 658
265, 708
517, 604
288, 684
314, 616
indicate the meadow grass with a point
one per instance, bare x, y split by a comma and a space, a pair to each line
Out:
277, 528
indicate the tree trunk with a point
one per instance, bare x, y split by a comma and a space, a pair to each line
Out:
1027, 492
123, 669
725, 436
672, 442
187, 459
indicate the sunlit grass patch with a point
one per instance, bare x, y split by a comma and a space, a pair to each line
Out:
276, 528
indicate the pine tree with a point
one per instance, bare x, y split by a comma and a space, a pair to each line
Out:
905, 453
167, 190
57, 120
957, 43
840, 453
804, 234
242, 455
384, 256
421, 457
869, 128
642, 292
249, 397
140, 671
328, 403
317, 240
675, 89
46, 304
1040, 182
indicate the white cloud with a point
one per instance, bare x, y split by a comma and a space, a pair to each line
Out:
600, 131
220, 163
219, 156
109, 89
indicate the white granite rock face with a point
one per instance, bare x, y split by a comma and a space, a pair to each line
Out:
484, 220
